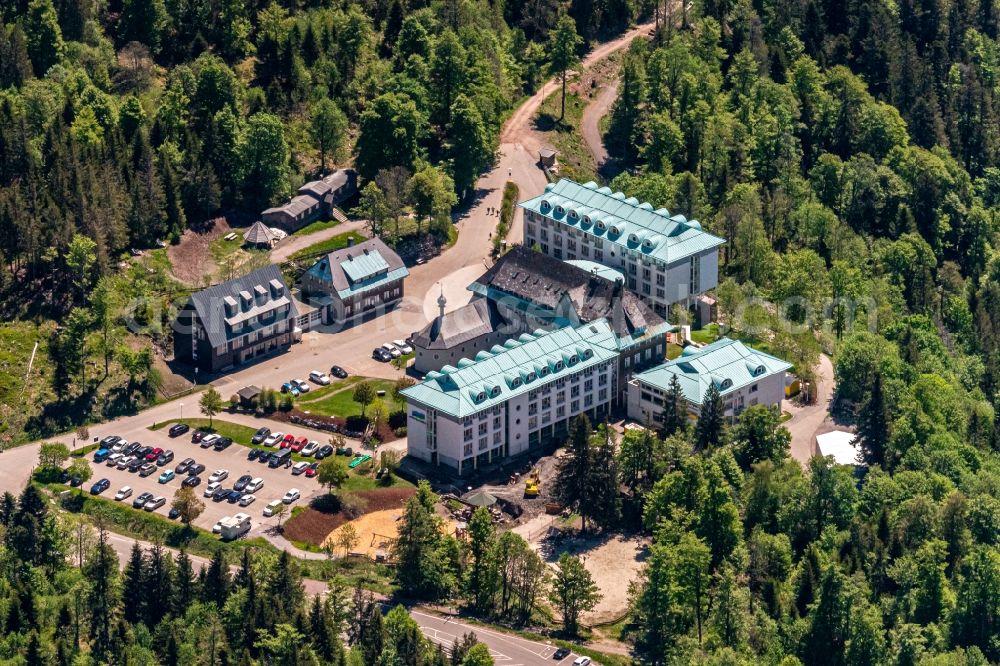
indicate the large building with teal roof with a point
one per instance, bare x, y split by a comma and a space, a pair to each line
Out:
355, 281
513, 398
744, 376
664, 257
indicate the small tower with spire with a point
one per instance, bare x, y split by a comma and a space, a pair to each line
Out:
442, 302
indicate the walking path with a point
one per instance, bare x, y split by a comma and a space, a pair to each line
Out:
807, 420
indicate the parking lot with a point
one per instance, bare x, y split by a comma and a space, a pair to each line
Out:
234, 459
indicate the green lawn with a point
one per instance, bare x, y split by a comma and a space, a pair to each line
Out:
706, 335
673, 351
338, 242
341, 403
575, 160
318, 225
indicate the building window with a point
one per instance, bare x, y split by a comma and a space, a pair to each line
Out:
602, 395
646, 275
660, 294
574, 407
532, 423
468, 434
753, 389
588, 400
483, 443
546, 402
532, 408
560, 411
482, 428
603, 379
467, 450
574, 392
588, 385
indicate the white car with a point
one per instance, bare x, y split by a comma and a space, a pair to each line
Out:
272, 507
318, 377
402, 346
124, 461
123, 493
219, 475
113, 459
310, 449
209, 439
247, 500
274, 438
300, 385
117, 448
254, 485
292, 495
581, 661
299, 467
217, 527
392, 350
211, 488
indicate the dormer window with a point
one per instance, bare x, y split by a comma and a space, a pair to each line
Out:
573, 360
572, 214
481, 396
495, 392
545, 372
601, 225
559, 366
531, 377
516, 382
588, 354
545, 204
647, 243
759, 371
726, 383
560, 210
615, 230
632, 238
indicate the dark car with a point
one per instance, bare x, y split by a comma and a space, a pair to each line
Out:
222, 443
242, 482
221, 494
136, 464
253, 454
143, 452
234, 496
184, 465
131, 448
191, 481
260, 435
110, 441
100, 487
164, 458
338, 372
380, 354
196, 469
198, 435
560, 654
141, 500
325, 451
178, 430
174, 514
264, 457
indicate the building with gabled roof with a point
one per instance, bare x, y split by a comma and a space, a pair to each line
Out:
743, 376
514, 398
235, 322
314, 200
355, 281
665, 258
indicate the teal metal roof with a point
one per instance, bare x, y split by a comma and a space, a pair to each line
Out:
517, 366
729, 364
358, 287
364, 265
600, 270
611, 216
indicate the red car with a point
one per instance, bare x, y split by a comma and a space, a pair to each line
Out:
298, 444
154, 454
312, 469
287, 441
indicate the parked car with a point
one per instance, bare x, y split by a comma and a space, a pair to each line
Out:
272, 507
217, 527
141, 500
320, 378
101, 455
312, 470
253, 454
109, 441
219, 475
234, 496
147, 469
167, 476
165, 457
264, 457
184, 465
560, 654
136, 464
119, 446
274, 438
292, 495
100, 486
325, 451
196, 469
260, 435
113, 459
198, 435
582, 661
310, 449
247, 500
130, 449
289, 387
391, 350
338, 372
255, 484
299, 468
403, 346
242, 482
220, 494
298, 444
191, 481
222, 443
301, 385
178, 429
380, 354
154, 454
143, 451
123, 493
209, 440
174, 513
211, 488
124, 462
155, 503
287, 441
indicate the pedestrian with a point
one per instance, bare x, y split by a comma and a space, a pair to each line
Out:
510, 172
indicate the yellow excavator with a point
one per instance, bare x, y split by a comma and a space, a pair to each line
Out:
532, 485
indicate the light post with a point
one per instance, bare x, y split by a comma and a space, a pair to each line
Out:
182, 411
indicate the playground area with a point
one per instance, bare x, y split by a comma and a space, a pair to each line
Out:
376, 532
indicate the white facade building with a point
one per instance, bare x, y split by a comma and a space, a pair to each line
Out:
514, 398
665, 259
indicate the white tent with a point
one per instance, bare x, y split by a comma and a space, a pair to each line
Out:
839, 444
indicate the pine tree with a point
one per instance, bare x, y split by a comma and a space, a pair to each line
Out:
182, 591
873, 424
604, 505
133, 589
573, 478
33, 653
563, 42
674, 408
216, 586
45, 41
101, 602
711, 422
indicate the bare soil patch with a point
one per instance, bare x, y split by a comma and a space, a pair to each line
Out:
191, 259
315, 524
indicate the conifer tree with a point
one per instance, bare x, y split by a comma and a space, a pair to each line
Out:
711, 422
